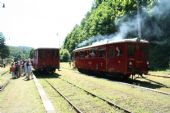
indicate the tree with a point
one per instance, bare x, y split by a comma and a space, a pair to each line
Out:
20, 52
64, 55
32, 53
4, 50
106, 16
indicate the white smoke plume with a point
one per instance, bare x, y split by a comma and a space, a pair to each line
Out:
149, 28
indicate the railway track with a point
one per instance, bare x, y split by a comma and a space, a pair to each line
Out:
93, 101
2, 87
159, 76
131, 83
145, 88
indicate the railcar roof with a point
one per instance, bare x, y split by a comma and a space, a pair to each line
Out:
45, 48
114, 41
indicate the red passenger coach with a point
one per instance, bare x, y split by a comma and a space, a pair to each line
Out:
122, 58
46, 59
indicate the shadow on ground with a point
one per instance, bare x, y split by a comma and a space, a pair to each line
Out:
45, 74
146, 83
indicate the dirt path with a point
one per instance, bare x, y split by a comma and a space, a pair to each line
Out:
20, 96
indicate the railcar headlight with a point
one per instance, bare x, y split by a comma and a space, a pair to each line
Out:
147, 62
130, 63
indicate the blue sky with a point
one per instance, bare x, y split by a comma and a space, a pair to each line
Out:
40, 23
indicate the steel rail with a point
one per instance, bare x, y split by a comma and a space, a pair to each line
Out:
75, 108
159, 76
145, 88
94, 95
3, 86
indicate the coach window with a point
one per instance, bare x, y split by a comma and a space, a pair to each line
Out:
111, 52
101, 52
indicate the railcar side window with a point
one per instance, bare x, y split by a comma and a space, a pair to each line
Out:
131, 51
86, 54
81, 54
76, 55
111, 52
92, 53
118, 51
102, 52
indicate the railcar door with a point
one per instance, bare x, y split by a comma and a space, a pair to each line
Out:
101, 64
115, 59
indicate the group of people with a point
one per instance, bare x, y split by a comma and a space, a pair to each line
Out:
21, 68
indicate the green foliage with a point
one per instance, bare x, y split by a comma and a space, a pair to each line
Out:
104, 17
4, 50
31, 53
99, 21
159, 56
64, 55
19, 52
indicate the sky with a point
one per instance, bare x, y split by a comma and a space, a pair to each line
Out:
40, 23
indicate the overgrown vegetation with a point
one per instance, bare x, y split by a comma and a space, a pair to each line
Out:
107, 16
64, 55
4, 50
18, 53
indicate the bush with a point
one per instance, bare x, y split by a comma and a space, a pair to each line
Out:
159, 57
64, 55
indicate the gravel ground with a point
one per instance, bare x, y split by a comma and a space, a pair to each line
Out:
20, 96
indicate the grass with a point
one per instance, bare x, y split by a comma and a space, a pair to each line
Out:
85, 102
20, 97
59, 103
135, 99
161, 73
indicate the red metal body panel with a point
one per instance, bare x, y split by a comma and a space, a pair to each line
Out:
46, 59
124, 57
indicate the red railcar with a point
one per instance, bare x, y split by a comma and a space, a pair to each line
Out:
125, 57
46, 59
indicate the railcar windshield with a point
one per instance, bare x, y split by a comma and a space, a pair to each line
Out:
144, 50
131, 50
141, 50
111, 52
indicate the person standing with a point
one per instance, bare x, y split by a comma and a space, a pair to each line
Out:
4, 62
25, 70
12, 70
29, 69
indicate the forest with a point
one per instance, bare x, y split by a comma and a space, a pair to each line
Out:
120, 18
12, 52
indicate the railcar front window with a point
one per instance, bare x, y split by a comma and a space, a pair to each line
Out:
131, 51
144, 50
111, 52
